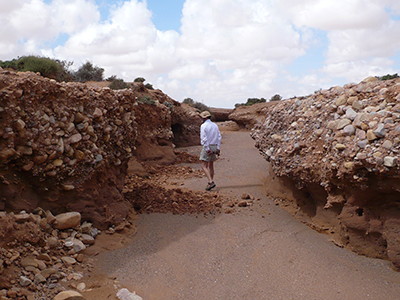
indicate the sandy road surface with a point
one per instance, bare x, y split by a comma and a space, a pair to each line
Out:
256, 253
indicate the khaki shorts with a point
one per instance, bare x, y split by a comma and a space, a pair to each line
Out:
206, 157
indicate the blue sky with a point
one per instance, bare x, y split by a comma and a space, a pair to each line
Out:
216, 52
166, 15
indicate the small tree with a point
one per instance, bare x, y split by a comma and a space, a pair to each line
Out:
111, 78
149, 86
251, 101
88, 72
188, 101
118, 84
139, 79
198, 105
276, 97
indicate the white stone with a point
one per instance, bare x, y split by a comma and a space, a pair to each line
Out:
349, 130
78, 246
125, 294
67, 220
97, 113
380, 130
75, 138
24, 281
69, 295
351, 114
387, 144
390, 161
342, 123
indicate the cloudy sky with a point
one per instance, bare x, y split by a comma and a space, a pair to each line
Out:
219, 52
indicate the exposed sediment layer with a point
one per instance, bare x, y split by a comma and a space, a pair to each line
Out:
66, 146
339, 150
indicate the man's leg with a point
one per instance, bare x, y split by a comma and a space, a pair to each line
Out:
204, 165
211, 170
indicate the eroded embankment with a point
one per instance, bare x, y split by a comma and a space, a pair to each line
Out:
66, 146
338, 151
69, 147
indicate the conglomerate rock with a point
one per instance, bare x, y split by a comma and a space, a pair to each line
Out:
341, 148
66, 146
220, 114
250, 116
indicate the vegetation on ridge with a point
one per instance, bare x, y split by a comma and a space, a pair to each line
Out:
388, 76
51, 68
198, 105
252, 101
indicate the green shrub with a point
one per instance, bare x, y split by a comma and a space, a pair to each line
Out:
388, 76
276, 97
148, 86
146, 100
251, 101
47, 67
88, 72
111, 78
8, 64
118, 84
198, 105
139, 79
188, 101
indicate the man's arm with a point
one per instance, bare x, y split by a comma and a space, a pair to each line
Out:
219, 139
203, 138
219, 142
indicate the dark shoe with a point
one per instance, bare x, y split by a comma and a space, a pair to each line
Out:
210, 186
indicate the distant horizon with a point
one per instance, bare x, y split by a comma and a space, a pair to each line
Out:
233, 106
217, 53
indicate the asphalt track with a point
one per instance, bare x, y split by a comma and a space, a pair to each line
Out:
260, 252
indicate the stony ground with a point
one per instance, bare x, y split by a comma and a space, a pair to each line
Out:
338, 151
42, 255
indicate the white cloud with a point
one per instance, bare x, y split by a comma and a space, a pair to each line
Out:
27, 24
334, 14
225, 52
357, 70
73, 15
126, 44
238, 44
358, 44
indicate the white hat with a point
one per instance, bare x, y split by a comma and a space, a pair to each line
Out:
205, 114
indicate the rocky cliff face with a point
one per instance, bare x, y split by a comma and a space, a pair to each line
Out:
65, 146
340, 148
220, 114
250, 116
186, 126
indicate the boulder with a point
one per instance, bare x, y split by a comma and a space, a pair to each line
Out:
69, 295
67, 220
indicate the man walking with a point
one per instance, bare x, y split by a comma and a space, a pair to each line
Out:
210, 139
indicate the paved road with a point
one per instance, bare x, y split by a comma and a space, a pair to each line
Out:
257, 253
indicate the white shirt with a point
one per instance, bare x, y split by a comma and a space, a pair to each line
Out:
209, 134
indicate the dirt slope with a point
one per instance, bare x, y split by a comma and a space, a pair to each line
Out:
66, 146
338, 151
